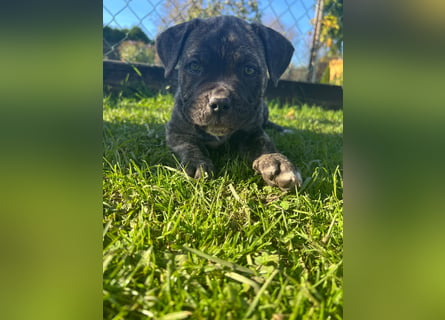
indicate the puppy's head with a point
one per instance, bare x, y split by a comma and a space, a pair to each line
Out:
223, 67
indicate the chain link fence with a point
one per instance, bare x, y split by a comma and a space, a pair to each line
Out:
130, 27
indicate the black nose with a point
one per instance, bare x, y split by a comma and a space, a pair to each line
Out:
219, 104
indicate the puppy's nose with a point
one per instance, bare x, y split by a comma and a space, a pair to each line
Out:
219, 104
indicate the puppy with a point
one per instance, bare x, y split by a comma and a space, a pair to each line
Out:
224, 64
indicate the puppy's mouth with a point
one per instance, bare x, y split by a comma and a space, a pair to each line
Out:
218, 131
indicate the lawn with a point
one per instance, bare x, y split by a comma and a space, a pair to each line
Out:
227, 248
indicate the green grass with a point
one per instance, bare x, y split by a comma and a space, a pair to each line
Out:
228, 248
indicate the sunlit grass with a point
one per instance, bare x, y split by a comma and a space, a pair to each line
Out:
228, 248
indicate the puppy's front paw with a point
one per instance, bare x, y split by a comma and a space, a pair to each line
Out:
199, 169
278, 171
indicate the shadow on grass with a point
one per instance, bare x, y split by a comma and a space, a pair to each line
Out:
126, 142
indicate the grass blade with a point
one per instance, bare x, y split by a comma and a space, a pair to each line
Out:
258, 295
222, 262
176, 315
243, 279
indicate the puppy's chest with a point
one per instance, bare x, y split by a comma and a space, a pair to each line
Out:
214, 141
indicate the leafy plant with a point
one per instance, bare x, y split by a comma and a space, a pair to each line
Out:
137, 51
331, 35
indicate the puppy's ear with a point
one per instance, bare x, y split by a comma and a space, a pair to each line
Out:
169, 44
277, 48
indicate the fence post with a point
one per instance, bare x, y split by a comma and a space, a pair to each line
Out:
315, 40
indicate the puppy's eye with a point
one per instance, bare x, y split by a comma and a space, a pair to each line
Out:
194, 67
249, 71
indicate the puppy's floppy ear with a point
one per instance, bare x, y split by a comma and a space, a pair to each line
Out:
169, 44
277, 48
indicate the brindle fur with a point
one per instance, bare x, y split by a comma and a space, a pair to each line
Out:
224, 64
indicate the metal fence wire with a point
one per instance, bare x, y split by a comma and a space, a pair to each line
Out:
130, 27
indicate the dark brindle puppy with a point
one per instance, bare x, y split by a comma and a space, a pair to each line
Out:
223, 67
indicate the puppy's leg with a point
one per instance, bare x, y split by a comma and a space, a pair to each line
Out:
191, 153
